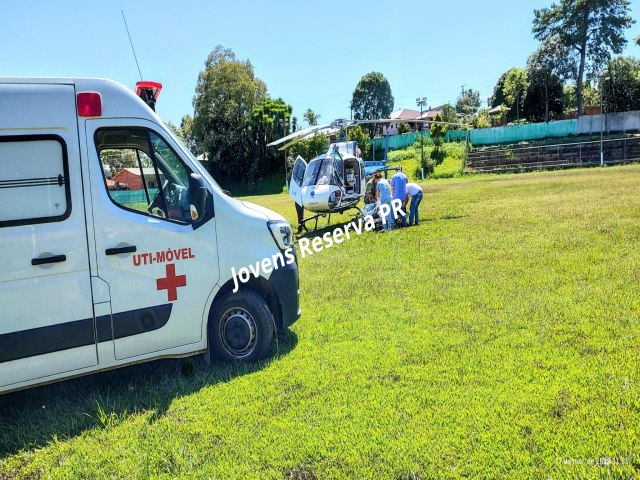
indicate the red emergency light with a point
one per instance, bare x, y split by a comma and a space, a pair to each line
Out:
149, 92
89, 104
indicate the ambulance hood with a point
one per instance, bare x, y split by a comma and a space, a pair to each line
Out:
268, 214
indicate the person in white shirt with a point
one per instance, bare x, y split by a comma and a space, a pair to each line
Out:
414, 191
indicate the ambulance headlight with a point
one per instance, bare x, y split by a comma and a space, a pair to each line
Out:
282, 233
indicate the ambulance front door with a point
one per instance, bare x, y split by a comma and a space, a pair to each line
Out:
160, 265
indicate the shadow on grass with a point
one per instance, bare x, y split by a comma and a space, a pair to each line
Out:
328, 227
32, 418
311, 233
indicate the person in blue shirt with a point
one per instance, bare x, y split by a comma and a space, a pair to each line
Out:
383, 194
399, 192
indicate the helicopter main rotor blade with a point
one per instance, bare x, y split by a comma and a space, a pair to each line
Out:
297, 134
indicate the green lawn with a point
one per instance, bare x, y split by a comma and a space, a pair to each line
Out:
499, 339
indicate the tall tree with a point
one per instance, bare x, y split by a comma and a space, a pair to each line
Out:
468, 102
311, 117
372, 98
590, 29
226, 93
546, 67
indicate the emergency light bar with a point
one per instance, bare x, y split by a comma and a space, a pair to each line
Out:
149, 92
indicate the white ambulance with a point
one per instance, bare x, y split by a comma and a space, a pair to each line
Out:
117, 245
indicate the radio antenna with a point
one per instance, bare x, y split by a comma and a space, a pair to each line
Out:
133, 49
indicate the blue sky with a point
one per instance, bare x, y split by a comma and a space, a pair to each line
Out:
312, 54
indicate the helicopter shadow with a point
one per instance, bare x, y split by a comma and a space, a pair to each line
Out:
329, 227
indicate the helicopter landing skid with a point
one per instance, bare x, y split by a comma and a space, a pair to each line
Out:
303, 224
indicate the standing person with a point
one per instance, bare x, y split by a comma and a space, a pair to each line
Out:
300, 212
383, 193
399, 191
415, 192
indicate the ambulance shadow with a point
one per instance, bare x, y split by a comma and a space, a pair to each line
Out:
31, 419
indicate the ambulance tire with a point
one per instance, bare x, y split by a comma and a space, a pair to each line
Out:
241, 327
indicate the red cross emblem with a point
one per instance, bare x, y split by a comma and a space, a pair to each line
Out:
171, 282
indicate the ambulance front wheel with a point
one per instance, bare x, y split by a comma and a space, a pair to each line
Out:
241, 327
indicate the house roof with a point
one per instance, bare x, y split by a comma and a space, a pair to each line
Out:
431, 113
405, 114
136, 171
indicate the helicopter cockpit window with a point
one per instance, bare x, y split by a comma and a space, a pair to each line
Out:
326, 172
319, 172
311, 172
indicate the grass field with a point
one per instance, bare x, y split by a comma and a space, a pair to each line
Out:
498, 339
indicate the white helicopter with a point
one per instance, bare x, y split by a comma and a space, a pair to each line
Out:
332, 182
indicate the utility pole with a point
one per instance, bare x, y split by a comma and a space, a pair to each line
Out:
421, 102
603, 77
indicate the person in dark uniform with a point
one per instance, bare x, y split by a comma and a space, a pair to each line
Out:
300, 212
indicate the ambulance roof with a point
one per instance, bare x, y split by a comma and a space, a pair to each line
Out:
117, 100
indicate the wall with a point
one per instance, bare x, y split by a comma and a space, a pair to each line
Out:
587, 124
613, 122
523, 133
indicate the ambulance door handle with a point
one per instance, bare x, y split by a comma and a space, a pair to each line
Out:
119, 250
51, 259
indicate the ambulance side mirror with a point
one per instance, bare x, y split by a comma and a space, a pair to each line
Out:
197, 197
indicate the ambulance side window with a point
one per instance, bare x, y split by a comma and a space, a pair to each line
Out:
143, 174
34, 180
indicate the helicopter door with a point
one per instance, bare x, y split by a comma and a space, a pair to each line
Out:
362, 178
295, 185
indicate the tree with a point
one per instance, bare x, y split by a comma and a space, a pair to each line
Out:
186, 127
269, 121
226, 94
438, 132
543, 99
177, 131
404, 127
468, 102
515, 89
591, 30
294, 124
311, 117
449, 114
546, 67
309, 147
372, 98
621, 87
510, 91
481, 119
359, 135
498, 98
